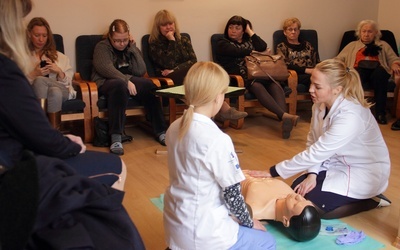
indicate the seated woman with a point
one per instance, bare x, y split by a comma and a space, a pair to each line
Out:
118, 70
173, 55
51, 77
346, 159
273, 199
239, 41
375, 61
24, 125
300, 56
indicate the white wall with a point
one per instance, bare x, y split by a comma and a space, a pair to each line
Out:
389, 18
203, 18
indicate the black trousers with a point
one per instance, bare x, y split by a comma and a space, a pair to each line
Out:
377, 80
117, 95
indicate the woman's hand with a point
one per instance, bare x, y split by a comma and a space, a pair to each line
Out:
132, 88
78, 141
307, 185
170, 35
131, 40
53, 67
249, 31
41, 71
258, 225
309, 71
259, 174
396, 68
166, 72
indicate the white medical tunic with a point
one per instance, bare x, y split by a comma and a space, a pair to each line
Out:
200, 166
348, 144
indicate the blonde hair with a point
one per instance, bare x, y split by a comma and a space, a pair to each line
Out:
163, 17
13, 38
203, 83
339, 75
288, 22
374, 26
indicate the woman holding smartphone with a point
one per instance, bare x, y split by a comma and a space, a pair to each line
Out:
51, 77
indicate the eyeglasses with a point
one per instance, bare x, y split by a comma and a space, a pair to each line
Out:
126, 40
291, 29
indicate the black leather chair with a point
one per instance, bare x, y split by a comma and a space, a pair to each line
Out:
387, 36
79, 108
305, 34
248, 100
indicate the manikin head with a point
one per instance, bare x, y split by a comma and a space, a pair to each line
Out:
299, 216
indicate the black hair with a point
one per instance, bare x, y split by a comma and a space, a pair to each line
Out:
305, 226
237, 20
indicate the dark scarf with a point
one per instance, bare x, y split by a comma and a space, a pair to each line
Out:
372, 49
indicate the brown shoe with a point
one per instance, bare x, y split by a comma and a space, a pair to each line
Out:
288, 122
230, 114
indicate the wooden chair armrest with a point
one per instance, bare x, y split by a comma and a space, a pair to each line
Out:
78, 77
155, 81
85, 92
166, 82
238, 80
292, 83
291, 100
94, 95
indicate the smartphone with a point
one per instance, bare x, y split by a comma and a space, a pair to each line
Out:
43, 63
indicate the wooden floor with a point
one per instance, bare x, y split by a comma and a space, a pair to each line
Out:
262, 146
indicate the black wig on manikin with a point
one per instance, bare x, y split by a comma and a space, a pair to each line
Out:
305, 226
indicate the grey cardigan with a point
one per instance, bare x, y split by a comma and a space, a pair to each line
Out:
105, 59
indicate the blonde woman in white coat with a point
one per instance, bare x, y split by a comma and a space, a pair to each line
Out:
346, 161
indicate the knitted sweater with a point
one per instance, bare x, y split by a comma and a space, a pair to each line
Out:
169, 54
105, 63
298, 57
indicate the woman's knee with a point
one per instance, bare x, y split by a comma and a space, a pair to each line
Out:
120, 183
40, 86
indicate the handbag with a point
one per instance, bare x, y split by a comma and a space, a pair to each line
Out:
264, 66
368, 64
101, 136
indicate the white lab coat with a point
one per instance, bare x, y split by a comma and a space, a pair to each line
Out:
348, 144
200, 166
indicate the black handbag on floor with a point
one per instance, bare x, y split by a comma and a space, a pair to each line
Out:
101, 136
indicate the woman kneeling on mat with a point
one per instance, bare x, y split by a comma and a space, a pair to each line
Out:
346, 161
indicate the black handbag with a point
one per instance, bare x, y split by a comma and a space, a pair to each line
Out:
368, 64
101, 136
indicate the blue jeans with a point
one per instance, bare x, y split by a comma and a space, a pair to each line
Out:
249, 238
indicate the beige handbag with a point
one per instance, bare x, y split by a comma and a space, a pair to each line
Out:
263, 66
